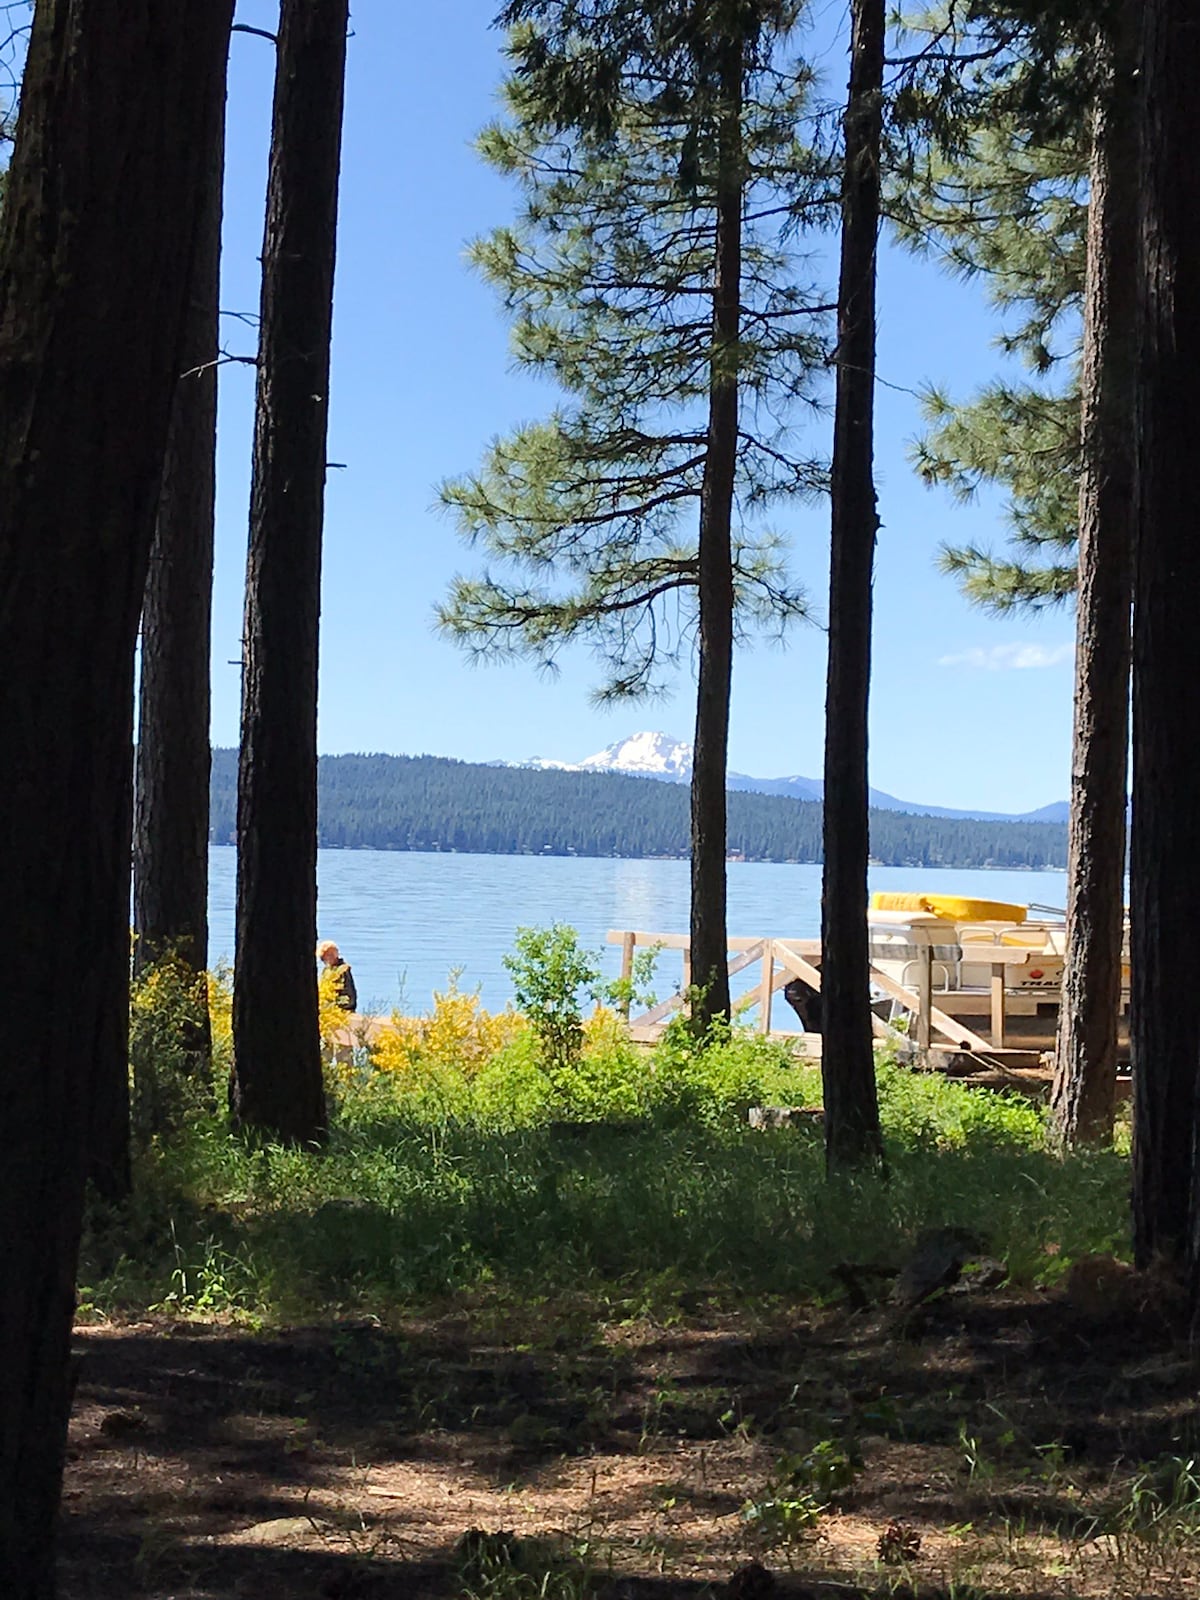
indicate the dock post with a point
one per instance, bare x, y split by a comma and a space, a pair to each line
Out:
924, 998
998, 1005
766, 988
628, 940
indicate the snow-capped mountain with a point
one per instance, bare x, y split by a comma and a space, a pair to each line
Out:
650, 755
658, 755
643, 755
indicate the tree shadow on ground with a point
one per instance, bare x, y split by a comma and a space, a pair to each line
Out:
210, 1462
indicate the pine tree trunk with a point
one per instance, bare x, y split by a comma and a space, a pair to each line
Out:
277, 1086
109, 1168
170, 845
1085, 1078
1165, 864
709, 932
95, 239
852, 1131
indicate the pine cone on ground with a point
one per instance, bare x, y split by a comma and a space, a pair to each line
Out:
899, 1542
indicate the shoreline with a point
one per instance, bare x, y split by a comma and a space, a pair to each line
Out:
732, 861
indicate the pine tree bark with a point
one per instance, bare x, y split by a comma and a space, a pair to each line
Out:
109, 1167
96, 235
709, 928
1085, 1078
277, 1085
170, 883
1164, 864
173, 759
852, 1134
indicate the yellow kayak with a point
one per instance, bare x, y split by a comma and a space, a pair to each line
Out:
950, 907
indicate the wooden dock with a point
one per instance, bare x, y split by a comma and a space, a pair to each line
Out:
928, 1036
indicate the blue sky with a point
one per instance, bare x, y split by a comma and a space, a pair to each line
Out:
966, 710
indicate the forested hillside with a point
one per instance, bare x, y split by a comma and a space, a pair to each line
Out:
385, 802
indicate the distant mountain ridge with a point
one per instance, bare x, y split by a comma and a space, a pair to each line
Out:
658, 755
428, 803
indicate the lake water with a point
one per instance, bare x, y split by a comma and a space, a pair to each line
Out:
406, 920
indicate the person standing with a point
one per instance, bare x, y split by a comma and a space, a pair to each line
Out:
344, 991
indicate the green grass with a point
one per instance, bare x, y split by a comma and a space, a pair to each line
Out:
634, 1179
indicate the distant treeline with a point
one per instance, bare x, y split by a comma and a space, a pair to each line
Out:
382, 802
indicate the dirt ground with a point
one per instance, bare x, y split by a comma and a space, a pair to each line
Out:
996, 1435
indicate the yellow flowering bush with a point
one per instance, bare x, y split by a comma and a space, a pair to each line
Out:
605, 1031
458, 1035
220, 1020
172, 1029
344, 1040
332, 1018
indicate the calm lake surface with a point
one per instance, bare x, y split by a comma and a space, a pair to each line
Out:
406, 920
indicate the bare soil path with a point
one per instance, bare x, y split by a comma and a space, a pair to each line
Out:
999, 1440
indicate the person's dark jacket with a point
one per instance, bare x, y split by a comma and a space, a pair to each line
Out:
344, 991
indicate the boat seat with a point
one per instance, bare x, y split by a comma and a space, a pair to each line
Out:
945, 975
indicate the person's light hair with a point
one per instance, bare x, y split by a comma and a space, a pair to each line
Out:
327, 948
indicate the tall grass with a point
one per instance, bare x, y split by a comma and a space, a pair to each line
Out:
634, 1174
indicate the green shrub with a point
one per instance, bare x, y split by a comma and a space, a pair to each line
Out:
624, 1173
552, 977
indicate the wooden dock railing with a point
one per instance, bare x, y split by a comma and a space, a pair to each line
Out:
784, 959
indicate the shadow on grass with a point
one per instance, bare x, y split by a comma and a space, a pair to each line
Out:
661, 1209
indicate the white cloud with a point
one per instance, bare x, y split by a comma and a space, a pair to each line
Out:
1010, 657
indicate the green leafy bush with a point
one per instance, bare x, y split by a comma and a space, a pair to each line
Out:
552, 977
618, 1171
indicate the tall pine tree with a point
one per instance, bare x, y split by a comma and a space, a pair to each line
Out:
852, 1134
1085, 1078
1164, 864
170, 836
96, 240
277, 1084
1006, 196
652, 275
